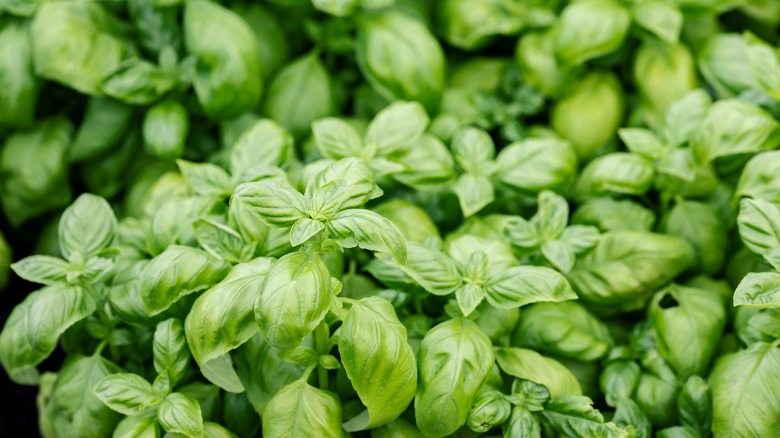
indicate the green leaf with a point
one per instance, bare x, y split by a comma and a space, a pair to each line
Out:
560, 255
454, 360
304, 229
339, 8
73, 405
696, 315
580, 237
553, 214
126, 393
418, 68
397, 128
300, 409
626, 267
759, 225
490, 409
300, 93
590, 29
86, 228
629, 414
469, 296
221, 241
431, 269
772, 256
367, 230
529, 395
530, 365
523, 285
276, 203
136, 81
574, 415
617, 172
565, 329
26, 340
228, 74
759, 289
43, 269
181, 414
642, 141
170, 350
264, 144
105, 123
760, 178
347, 183
695, 405
337, 139
619, 380
206, 178
702, 227
178, 271
612, 215
685, 115
222, 318
262, 372
143, 425
743, 385
474, 193
221, 373
474, 150
732, 127
379, 362
76, 44
764, 64
661, 17
165, 129
172, 223
27, 191
295, 297
522, 422
535, 164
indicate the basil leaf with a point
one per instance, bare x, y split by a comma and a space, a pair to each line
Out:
397, 128
454, 360
222, 318
431, 269
618, 172
696, 314
228, 75
574, 415
262, 372
264, 144
347, 183
522, 422
566, 329
367, 230
25, 341
530, 365
379, 362
221, 241
170, 352
143, 425
474, 193
418, 70
759, 178
523, 285
535, 164
276, 203
760, 290
205, 178
662, 18
73, 405
178, 271
42, 269
181, 414
300, 409
758, 225
295, 297
128, 394
743, 395
695, 405
172, 223
86, 227
590, 29
625, 267
337, 139
300, 93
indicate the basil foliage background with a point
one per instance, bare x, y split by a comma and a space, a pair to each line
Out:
380, 218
